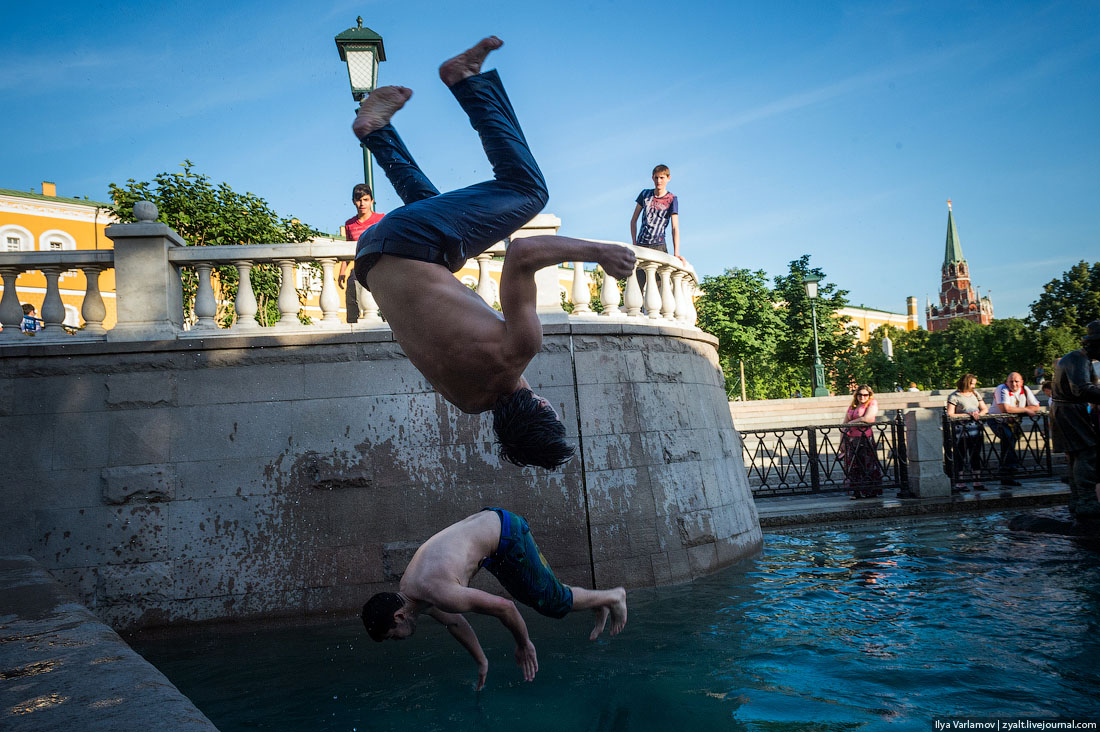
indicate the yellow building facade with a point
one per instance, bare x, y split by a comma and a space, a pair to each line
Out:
867, 319
45, 222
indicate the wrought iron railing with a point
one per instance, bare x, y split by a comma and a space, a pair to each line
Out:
823, 458
996, 446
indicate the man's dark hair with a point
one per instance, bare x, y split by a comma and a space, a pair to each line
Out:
378, 614
361, 190
528, 431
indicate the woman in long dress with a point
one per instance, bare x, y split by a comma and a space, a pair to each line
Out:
861, 466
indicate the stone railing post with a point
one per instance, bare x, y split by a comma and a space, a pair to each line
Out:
245, 304
484, 280
668, 303
288, 295
924, 445
632, 297
652, 291
148, 294
206, 307
679, 294
11, 311
92, 309
53, 309
582, 297
330, 301
610, 296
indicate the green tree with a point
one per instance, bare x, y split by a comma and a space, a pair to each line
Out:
1053, 343
204, 214
738, 308
795, 347
1072, 301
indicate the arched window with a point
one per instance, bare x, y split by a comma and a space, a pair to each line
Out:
15, 239
56, 240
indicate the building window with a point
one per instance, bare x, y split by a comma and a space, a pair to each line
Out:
56, 240
16, 239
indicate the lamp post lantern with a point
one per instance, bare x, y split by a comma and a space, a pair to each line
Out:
810, 283
361, 49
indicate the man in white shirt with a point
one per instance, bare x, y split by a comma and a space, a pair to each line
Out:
1011, 397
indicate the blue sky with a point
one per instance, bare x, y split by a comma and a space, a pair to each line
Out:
837, 129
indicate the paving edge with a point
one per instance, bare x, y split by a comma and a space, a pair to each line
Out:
915, 507
61, 668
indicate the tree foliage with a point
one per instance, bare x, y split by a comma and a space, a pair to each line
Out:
1070, 302
771, 330
204, 214
737, 307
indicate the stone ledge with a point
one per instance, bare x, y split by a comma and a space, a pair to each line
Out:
838, 508
62, 669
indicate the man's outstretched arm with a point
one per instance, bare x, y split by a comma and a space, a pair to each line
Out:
461, 631
459, 599
517, 281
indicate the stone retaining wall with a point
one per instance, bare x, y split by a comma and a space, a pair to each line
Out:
273, 475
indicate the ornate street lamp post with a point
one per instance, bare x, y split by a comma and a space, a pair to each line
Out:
810, 283
361, 49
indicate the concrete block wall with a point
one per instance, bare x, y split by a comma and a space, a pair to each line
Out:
238, 477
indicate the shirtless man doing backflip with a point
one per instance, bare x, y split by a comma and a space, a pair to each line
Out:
437, 579
474, 357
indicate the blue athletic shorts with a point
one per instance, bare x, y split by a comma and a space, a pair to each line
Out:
520, 567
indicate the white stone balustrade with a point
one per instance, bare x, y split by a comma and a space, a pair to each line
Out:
149, 258
52, 264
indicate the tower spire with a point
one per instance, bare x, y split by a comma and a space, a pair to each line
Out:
952, 251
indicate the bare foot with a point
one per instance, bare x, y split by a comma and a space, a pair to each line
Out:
601, 620
377, 109
468, 63
618, 612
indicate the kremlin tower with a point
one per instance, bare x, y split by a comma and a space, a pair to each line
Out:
957, 298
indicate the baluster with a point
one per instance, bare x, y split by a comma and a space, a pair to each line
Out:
668, 305
245, 304
53, 310
368, 307
678, 294
288, 295
610, 295
330, 301
206, 307
652, 293
581, 294
92, 309
689, 292
11, 311
484, 281
632, 298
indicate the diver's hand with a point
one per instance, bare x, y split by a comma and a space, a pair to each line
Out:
527, 660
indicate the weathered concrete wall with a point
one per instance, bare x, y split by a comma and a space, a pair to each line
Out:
62, 669
272, 475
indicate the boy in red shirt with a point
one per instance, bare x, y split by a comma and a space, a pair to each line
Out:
363, 198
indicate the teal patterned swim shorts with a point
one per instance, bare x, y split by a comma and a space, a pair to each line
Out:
519, 565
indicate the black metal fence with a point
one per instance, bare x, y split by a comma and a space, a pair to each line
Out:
996, 446
823, 458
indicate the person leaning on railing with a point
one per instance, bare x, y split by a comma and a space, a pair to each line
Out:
857, 446
1011, 398
965, 406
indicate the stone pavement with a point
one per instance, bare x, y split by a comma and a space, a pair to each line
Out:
821, 508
